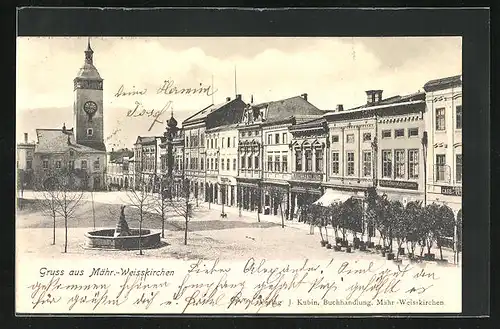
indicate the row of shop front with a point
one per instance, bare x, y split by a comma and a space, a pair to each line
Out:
266, 197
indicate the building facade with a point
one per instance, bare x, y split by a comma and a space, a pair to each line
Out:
443, 122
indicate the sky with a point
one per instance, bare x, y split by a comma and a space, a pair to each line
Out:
330, 70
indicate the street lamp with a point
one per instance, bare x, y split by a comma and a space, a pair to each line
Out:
424, 151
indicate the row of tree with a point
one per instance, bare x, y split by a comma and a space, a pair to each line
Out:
411, 224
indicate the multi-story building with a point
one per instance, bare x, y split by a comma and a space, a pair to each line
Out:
24, 164
81, 148
443, 122
203, 142
119, 173
147, 155
277, 177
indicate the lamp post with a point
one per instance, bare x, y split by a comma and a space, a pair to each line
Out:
424, 151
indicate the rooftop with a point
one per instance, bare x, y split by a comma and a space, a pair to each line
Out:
443, 83
290, 107
59, 141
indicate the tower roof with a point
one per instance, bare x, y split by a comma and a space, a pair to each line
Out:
88, 70
171, 123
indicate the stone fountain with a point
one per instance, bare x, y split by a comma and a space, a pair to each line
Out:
122, 237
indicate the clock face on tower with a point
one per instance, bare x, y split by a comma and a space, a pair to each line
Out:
90, 108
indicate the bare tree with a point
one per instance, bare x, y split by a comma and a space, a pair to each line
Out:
142, 200
162, 202
277, 195
63, 193
45, 197
184, 207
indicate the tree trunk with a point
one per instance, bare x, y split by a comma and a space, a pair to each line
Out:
440, 251
65, 234
54, 229
163, 224
321, 233
282, 219
140, 235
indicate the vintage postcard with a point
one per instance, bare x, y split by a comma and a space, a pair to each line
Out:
239, 175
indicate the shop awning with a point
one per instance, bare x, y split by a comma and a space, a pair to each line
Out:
331, 196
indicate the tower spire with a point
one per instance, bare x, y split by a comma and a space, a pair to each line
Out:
89, 53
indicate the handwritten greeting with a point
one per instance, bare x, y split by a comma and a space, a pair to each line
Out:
167, 88
252, 286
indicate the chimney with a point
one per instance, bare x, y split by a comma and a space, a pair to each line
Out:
339, 108
228, 99
251, 100
26, 138
112, 149
373, 96
64, 128
304, 96
238, 96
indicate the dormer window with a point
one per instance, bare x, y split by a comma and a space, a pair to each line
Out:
90, 132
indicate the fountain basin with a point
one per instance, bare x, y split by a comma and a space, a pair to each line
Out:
104, 239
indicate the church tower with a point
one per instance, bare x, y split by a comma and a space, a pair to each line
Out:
88, 104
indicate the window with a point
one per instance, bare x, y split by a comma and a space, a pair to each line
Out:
228, 166
399, 164
308, 154
458, 167
222, 164
335, 138
440, 167
440, 120
84, 164
249, 162
256, 166
71, 153
350, 164
212, 166
335, 163
399, 133
90, 132
298, 160
413, 164
269, 163
229, 142
216, 143
277, 163
276, 138
234, 141
387, 164
458, 116
412, 132
216, 164
29, 164
243, 162
96, 165
319, 160
28, 153
222, 142
202, 140
234, 164
367, 163
187, 141
350, 138
211, 143
269, 139
367, 137
284, 165
284, 138
201, 164
386, 133
242, 134
45, 164
58, 164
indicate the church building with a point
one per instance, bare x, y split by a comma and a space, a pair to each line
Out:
80, 148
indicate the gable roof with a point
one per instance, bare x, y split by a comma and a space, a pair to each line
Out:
200, 115
118, 155
443, 83
59, 141
288, 108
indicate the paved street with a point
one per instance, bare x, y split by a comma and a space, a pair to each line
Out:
209, 236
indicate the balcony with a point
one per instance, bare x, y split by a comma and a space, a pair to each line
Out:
309, 176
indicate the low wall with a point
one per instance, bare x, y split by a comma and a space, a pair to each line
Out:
104, 239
